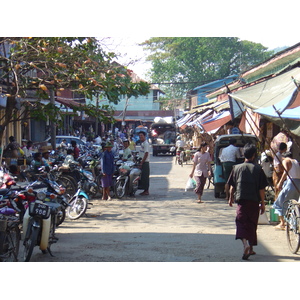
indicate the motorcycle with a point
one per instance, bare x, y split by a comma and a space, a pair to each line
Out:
182, 156
128, 180
45, 210
40, 222
45, 183
6, 180
10, 234
78, 204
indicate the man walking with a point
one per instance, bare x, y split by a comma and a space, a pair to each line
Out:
248, 182
144, 153
228, 158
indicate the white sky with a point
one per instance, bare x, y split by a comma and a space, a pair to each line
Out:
130, 22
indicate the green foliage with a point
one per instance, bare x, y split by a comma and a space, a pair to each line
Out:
31, 67
188, 62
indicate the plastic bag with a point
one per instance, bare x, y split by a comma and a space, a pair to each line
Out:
190, 185
263, 219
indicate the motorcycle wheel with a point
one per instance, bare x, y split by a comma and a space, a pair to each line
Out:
30, 243
120, 189
77, 208
69, 183
9, 244
61, 215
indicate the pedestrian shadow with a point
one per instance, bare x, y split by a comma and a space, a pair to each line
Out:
152, 247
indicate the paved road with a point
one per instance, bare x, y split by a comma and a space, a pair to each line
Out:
166, 226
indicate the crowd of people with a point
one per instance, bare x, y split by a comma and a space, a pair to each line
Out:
245, 178
110, 147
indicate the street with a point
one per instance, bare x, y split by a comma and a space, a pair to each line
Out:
166, 226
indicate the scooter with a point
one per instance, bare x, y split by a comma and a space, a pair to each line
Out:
44, 212
181, 157
39, 224
78, 204
128, 180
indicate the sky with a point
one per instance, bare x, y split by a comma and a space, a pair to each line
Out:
128, 22
264, 21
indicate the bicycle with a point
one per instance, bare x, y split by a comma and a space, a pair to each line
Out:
291, 214
10, 237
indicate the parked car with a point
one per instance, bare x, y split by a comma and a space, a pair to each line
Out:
68, 138
221, 142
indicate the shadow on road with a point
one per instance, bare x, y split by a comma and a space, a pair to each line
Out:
152, 247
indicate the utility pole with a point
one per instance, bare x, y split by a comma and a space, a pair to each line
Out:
96, 123
52, 124
124, 112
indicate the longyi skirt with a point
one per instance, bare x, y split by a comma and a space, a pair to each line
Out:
106, 180
247, 214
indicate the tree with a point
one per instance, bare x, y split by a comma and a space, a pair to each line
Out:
38, 65
187, 62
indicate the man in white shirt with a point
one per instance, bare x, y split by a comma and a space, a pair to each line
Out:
144, 153
228, 158
180, 144
127, 155
98, 140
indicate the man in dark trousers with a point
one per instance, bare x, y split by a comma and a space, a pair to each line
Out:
247, 182
144, 154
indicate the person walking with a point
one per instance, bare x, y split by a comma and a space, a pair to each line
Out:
229, 157
287, 184
12, 149
247, 183
201, 168
76, 149
278, 168
145, 166
108, 168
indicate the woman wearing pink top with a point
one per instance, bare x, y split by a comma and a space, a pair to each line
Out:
201, 169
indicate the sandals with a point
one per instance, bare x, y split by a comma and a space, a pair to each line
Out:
281, 227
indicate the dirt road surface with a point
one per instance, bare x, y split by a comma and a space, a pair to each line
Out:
166, 226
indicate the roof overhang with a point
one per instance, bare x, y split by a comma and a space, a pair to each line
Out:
278, 91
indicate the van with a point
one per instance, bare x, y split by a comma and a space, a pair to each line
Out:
221, 142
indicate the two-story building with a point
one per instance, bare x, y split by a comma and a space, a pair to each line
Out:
131, 112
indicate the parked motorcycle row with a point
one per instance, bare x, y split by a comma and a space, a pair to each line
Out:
36, 202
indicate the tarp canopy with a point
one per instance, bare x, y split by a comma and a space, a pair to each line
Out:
279, 91
199, 119
185, 119
217, 121
277, 99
